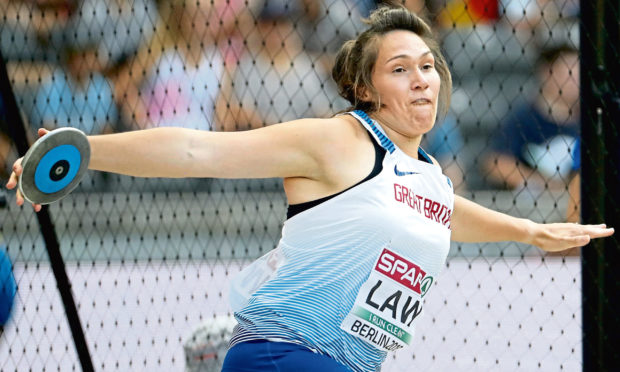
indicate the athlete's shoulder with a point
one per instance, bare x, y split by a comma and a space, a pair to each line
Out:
347, 124
319, 123
335, 129
337, 122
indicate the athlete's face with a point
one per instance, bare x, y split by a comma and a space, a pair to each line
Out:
407, 82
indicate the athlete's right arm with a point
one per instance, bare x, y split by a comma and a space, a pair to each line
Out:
294, 149
280, 150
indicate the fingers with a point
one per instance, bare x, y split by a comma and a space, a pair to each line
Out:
593, 231
602, 233
598, 231
17, 171
582, 236
19, 199
12, 181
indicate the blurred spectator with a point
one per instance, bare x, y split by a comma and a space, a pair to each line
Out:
5, 144
76, 95
333, 23
37, 30
116, 27
529, 14
573, 209
323, 25
521, 14
5, 158
463, 13
533, 146
175, 80
419, 7
34, 30
230, 21
364, 7
276, 80
57, 31
444, 142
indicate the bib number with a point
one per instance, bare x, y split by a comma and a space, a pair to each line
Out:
388, 303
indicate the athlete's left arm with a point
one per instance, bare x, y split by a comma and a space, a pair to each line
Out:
474, 223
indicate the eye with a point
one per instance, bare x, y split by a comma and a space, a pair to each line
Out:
428, 66
399, 69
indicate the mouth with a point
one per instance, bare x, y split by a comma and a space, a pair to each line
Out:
421, 102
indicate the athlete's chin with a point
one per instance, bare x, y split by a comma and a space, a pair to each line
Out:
423, 123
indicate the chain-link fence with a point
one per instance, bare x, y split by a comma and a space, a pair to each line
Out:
149, 260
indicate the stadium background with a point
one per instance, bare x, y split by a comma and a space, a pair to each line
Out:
150, 260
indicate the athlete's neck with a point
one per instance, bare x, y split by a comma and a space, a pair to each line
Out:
396, 131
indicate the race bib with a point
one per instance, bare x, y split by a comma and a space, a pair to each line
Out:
388, 303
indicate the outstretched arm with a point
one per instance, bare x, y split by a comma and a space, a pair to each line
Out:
294, 149
474, 223
275, 151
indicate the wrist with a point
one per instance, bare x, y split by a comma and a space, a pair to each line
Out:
529, 232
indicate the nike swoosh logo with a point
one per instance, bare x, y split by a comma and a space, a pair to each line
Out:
400, 174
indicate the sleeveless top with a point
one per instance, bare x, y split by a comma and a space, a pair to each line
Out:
349, 274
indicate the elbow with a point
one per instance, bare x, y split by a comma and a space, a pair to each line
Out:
196, 154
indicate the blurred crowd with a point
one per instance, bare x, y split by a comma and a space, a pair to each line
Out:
114, 65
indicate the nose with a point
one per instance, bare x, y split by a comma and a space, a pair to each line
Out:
419, 80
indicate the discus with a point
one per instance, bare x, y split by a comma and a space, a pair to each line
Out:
54, 165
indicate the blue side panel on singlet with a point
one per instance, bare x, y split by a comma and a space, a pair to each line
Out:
385, 142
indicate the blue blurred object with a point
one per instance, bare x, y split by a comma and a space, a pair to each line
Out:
8, 287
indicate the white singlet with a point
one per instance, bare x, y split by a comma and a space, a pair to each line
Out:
350, 273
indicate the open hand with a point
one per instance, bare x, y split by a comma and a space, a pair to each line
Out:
555, 237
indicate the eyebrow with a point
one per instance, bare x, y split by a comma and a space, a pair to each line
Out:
408, 56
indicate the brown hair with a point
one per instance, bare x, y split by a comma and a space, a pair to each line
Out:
356, 59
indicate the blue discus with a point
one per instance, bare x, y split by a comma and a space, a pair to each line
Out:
54, 165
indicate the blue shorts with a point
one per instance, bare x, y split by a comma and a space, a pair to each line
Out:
263, 355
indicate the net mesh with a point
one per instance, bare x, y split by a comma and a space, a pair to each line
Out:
150, 259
